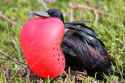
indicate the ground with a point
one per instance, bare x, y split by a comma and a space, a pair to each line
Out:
106, 17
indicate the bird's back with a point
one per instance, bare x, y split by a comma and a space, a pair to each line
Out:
84, 51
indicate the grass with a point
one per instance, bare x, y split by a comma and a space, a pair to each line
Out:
110, 28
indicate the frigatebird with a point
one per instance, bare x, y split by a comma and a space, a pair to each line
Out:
82, 49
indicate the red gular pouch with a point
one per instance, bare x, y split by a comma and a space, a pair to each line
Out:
40, 41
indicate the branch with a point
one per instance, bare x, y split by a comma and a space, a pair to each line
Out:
7, 57
79, 6
93, 9
7, 19
43, 4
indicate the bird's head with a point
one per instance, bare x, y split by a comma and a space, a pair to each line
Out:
56, 13
49, 13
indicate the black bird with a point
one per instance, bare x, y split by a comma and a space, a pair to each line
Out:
82, 49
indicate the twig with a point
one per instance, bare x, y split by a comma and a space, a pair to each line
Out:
11, 59
43, 4
71, 15
93, 9
7, 19
50, 1
66, 79
96, 16
79, 6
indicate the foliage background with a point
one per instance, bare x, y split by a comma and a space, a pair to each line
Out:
110, 28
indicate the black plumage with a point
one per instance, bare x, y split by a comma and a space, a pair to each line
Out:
82, 49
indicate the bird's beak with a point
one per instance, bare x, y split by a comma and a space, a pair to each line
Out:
39, 13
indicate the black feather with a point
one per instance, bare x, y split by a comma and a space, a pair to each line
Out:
77, 25
88, 50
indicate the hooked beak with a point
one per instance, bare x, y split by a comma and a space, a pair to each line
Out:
39, 13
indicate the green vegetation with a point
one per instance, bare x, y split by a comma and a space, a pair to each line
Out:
110, 28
